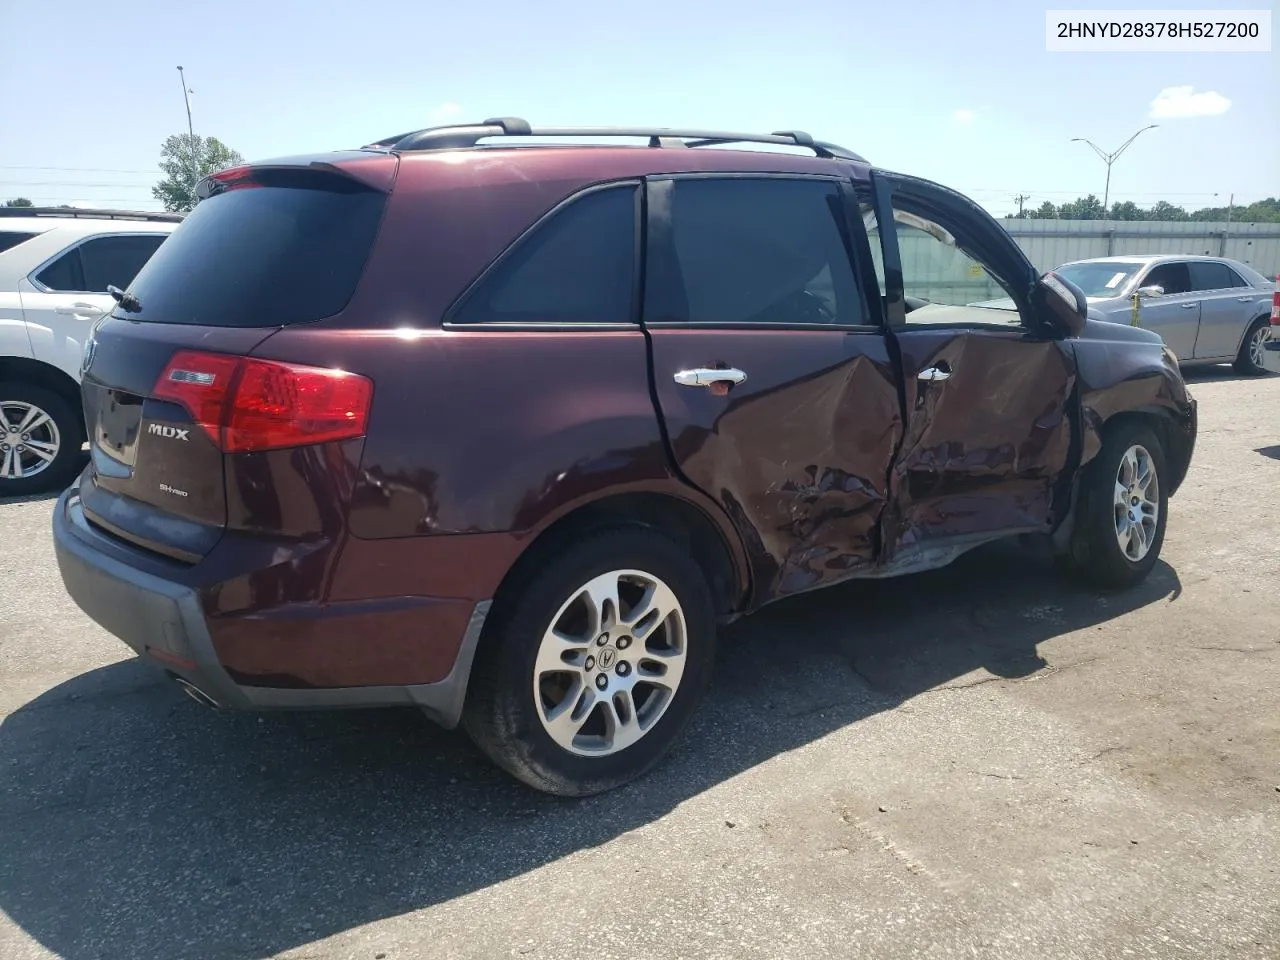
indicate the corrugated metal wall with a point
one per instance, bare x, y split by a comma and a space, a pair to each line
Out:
1050, 243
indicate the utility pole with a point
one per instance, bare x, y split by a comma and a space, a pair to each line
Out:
1110, 158
185, 99
1020, 199
1231, 202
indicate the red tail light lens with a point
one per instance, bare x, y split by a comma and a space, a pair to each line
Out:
246, 404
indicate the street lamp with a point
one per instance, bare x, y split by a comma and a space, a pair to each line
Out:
1110, 158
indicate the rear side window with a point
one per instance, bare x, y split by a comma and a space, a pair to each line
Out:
64, 274
1207, 275
578, 266
1173, 277
263, 255
746, 251
11, 238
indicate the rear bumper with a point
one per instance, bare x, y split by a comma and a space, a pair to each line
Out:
164, 622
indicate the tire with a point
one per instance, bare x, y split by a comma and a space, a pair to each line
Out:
57, 430
1095, 554
594, 752
1249, 362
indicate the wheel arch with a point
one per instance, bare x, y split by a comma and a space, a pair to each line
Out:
1175, 441
40, 374
676, 517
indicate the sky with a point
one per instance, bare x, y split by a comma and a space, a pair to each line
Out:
964, 94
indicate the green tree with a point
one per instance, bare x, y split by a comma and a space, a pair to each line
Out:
1127, 211
19, 202
184, 160
1164, 210
1086, 208
1046, 211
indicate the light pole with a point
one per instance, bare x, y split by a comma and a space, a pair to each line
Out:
1110, 158
183, 77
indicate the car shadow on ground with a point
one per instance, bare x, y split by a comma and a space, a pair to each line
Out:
137, 824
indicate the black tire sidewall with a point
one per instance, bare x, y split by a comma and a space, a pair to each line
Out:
1244, 363
501, 715
1098, 554
70, 437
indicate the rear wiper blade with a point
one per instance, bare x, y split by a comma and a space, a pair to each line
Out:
126, 300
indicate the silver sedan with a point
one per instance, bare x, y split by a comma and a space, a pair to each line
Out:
1207, 309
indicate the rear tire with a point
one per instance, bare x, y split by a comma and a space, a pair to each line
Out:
40, 439
1249, 362
603, 698
1122, 510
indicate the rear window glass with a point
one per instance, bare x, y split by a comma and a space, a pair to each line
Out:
11, 238
262, 256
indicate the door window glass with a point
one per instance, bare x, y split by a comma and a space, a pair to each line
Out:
1208, 275
115, 261
1171, 277
747, 251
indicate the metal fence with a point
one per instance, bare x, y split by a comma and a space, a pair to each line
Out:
1050, 243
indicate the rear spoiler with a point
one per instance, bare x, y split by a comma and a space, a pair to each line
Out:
376, 171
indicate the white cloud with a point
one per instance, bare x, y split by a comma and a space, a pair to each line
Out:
964, 116
1178, 102
446, 111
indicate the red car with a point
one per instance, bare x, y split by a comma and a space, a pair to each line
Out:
503, 427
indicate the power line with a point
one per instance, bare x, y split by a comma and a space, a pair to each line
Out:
72, 183
81, 169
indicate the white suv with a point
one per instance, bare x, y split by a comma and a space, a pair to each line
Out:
55, 267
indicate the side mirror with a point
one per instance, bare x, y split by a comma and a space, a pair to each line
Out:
1155, 290
1064, 301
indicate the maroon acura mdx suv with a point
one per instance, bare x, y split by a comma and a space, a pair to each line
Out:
486, 420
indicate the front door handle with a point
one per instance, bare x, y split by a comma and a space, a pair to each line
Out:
1190, 306
706, 376
934, 374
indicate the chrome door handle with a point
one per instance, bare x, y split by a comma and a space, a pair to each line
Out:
1244, 299
706, 376
80, 310
1190, 306
934, 374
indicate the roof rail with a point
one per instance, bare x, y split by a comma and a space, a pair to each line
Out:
468, 135
81, 213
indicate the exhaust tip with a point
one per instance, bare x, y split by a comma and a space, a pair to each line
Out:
195, 693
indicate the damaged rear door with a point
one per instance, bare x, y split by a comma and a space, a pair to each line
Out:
771, 368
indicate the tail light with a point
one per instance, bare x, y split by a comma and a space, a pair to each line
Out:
1275, 304
245, 404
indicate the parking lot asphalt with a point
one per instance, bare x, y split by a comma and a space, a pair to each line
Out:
984, 761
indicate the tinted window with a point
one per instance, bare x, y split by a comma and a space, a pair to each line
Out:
11, 238
263, 256
1207, 275
115, 261
578, 266
1173, 277
64, 274
754, 251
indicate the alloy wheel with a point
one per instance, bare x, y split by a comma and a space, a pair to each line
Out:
610, 663
1258, 344
1137, 503
29, 440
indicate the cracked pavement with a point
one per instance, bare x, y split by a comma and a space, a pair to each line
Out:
981, 761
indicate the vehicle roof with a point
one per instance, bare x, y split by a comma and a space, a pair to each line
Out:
1151, 258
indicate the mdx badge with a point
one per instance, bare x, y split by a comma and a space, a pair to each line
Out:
163, 430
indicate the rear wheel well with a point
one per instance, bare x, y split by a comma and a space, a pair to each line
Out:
25, 370
1173, 440
676, 519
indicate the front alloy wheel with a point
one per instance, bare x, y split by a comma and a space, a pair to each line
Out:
1137, 503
